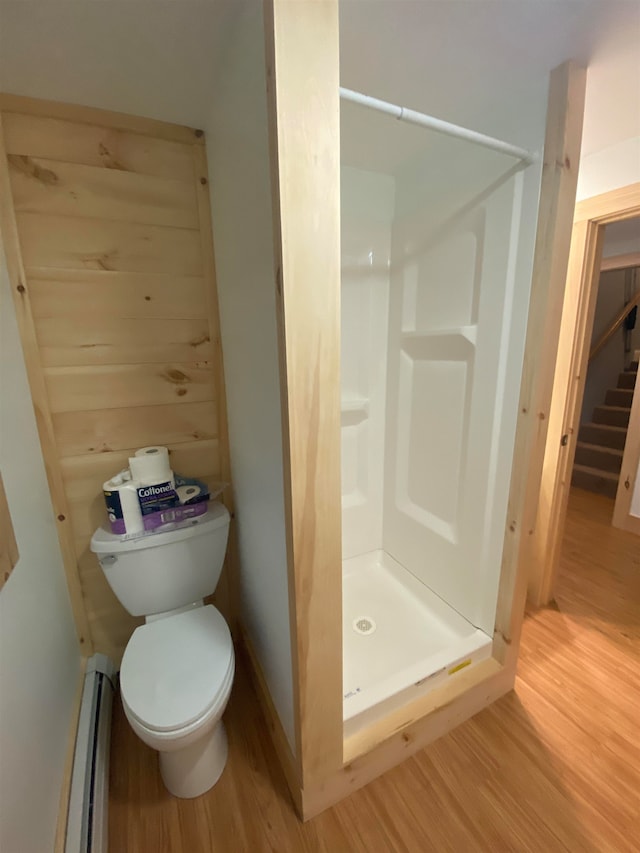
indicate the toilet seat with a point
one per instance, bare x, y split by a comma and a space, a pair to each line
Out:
177, 669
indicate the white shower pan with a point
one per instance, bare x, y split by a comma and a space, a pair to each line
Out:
398, 635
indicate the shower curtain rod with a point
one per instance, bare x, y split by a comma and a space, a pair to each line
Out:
413, 117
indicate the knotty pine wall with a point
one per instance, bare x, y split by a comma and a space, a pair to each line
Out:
113, 226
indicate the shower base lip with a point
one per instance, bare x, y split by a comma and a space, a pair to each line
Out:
457, 645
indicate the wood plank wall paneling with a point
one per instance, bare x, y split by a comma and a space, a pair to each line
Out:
92, 145
79, 433
71, 242
50, 187
112, 386
118, 262
68, 293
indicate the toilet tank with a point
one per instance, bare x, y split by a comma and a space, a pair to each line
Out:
165, 570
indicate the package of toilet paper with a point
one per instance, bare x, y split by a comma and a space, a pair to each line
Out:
148, 496
169, 502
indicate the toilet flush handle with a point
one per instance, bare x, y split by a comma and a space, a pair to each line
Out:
108, 560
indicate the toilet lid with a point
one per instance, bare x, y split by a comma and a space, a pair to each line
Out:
174, 668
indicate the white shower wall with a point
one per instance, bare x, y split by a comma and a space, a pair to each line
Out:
462, 249
435, 288
367, 214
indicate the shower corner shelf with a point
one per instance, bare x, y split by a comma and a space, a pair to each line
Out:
354, 410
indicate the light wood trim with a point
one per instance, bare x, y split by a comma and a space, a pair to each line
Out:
613, 206
568, 390
67, 774
563, 138
558, 457
272, 719
227, 594
104, 118
9, 554
22, 303
304, 114
620, 262
405, 742
622, 517
614, 326
370, 737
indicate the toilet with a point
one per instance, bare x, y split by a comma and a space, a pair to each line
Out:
178, 668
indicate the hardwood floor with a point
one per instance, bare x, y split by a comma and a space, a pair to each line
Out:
554, 766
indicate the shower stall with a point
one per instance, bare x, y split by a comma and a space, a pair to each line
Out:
435, 278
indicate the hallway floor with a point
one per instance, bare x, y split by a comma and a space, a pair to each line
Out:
553, 766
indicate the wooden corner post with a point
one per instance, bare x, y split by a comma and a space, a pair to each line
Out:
304, 116
563, 138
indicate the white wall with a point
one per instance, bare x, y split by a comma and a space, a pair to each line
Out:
237, 146
39, 652
367, 201
611, 135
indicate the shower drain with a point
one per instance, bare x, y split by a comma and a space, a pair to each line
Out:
364, 625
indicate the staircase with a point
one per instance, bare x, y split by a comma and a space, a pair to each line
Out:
601, 443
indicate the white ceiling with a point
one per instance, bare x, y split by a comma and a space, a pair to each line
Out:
468, 61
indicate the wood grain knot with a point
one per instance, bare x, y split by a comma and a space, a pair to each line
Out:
199, 133
108, 160
26, 166
197, 342
176, 376
20, 288
181, 392
406, 737
512, 527
62, 517
203, 181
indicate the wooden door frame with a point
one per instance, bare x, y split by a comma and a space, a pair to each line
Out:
585, 259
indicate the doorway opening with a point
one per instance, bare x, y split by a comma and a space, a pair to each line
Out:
619, 211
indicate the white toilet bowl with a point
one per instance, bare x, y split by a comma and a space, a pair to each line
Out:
175, 681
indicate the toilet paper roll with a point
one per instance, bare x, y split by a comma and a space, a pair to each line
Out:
123, 506
150, 466
187, 493
131, 511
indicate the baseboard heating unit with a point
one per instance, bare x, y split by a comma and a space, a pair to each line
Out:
88, 800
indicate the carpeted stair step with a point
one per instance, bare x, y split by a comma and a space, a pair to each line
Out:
602, 482
612, 415
619, 397
627, 380
596, 456
603, 434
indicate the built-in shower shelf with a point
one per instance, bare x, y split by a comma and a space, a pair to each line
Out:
354, 410
468, 332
